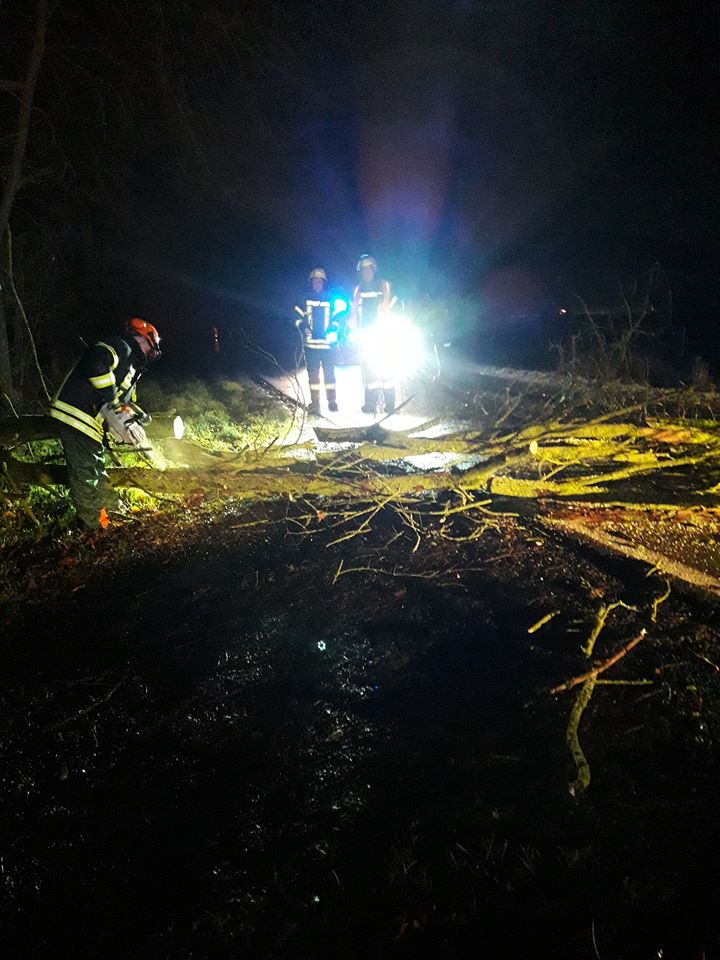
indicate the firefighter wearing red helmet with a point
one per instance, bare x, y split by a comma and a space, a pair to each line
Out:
100, 390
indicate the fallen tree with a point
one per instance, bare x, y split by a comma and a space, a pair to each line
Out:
15, 431
553, 459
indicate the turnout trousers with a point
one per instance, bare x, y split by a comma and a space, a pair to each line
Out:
317, 358
90, 488
374, 383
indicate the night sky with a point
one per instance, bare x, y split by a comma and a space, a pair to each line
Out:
193, 160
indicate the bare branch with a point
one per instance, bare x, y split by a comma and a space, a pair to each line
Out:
28, 93
20, 307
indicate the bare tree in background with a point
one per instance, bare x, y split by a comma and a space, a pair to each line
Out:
13, 181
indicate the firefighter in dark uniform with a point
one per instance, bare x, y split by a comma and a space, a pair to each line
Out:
320, 338
105, 376
371, 295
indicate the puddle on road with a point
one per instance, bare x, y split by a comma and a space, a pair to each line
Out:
442, 461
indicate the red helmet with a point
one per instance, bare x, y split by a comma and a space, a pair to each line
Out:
141, 328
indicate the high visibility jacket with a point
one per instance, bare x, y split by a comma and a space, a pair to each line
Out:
106, 373
320, 331
367, 297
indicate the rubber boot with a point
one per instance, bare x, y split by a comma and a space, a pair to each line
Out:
331, 399
371, 399
389, 399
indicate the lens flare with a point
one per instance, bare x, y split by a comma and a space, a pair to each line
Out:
393, 346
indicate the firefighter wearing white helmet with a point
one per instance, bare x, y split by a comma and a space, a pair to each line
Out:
320, 335
371, 294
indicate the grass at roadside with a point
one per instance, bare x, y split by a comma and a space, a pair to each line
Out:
221, 415
224, 415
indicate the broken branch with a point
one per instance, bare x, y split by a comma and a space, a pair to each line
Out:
601, 667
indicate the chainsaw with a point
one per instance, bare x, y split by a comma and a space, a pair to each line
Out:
126, 426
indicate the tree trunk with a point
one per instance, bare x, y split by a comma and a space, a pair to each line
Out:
563, 461
7, 390
12, 183
26, 101
17, 430
295, 481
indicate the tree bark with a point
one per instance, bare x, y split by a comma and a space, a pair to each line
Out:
26, 101
14, 177
16, 430
7, 390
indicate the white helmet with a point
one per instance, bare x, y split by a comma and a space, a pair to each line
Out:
367, 261
318, 274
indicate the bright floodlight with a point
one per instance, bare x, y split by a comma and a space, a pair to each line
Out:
178, 428
393, 346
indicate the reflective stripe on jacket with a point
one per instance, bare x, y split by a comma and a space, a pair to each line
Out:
317, 324
105, 373
367, 297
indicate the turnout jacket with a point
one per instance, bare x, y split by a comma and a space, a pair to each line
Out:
318, 323
367, 297
106, 373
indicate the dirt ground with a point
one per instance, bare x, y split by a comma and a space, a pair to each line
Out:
213, 745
